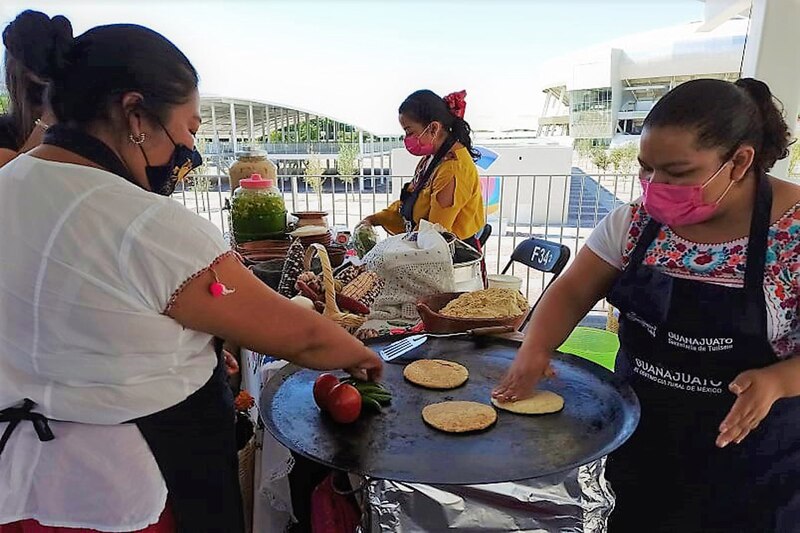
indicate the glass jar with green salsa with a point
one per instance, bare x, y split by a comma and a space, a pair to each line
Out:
258, 211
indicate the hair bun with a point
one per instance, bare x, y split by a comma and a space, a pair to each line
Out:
776, 136
758, 90
40, 43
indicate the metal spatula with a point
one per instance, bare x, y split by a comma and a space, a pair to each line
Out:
403, 346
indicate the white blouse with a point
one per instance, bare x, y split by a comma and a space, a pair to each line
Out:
88, 264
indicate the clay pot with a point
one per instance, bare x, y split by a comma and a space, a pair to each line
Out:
435, 322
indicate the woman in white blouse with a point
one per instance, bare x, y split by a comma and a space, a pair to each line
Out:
111, 296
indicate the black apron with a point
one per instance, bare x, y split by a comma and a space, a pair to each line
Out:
193, 442
410, 191
682, 342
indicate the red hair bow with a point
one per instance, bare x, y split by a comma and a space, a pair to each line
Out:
456, 103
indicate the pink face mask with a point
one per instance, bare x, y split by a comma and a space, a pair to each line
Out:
680, 205
417, 147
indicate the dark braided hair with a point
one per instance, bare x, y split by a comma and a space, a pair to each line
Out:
426, 106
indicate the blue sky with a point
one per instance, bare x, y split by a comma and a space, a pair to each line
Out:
357, 60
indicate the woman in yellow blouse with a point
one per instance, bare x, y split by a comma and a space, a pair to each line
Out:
445, 189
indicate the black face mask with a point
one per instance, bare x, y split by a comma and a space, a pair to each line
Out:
164, 178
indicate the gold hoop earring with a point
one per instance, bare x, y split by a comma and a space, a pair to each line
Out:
137, 140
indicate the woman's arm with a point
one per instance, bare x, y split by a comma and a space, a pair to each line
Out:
33, 140
256, 317
444, 207
788, 373
37, 134
389, 219
447, 200
6, 155
562, 306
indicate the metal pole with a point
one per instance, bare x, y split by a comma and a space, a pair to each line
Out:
372, 165
530, 234
500, 222
264, 125
293, 181
251, 122
215, 135
218, 157
360, 158
234, 141
383, 165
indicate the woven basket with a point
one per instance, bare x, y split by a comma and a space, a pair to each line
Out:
247, 461
349, 321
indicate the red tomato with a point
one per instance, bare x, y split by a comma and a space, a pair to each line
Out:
322, 389
344, 403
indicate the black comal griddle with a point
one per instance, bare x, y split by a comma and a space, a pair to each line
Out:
600, 413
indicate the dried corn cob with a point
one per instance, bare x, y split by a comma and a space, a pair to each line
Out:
312, 281
291, 269
360, 286
350, 273
369, 298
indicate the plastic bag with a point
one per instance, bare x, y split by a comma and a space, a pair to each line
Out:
333, 511
364, 239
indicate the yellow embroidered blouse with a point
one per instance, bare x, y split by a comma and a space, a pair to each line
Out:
464, 218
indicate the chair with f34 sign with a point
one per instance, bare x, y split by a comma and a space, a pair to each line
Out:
542, 255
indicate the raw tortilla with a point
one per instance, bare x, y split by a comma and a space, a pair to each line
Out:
436, 374
542, 402
459, 417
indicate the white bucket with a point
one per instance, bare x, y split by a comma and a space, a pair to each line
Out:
468, 276
501, 281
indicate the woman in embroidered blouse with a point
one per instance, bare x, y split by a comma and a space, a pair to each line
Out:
445, 189
705, 270
113, 296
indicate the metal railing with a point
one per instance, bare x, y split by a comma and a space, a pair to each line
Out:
299, 148
561, 208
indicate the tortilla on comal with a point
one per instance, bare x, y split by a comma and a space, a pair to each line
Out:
543, 402
436, 374
459, 417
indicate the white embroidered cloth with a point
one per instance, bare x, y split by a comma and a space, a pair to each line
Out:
411, 268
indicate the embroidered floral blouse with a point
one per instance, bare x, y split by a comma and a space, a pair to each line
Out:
723, 263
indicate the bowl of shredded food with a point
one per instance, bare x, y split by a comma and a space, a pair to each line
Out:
452, 312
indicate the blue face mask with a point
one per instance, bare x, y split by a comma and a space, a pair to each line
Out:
164, 178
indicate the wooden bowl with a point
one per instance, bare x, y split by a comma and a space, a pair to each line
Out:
311, 218
336, 253
429, 307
